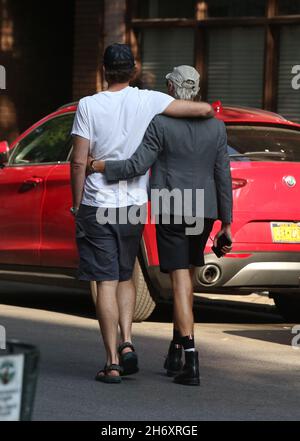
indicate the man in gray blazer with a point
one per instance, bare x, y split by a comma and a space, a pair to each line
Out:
186, 154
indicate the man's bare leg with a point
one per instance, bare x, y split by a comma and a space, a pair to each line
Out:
108, 316
126, 297
175, 324
183, 301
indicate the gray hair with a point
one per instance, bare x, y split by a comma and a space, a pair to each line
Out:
185, 80
184, 93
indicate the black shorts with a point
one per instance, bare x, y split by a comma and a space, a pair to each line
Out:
106, 252
176, 249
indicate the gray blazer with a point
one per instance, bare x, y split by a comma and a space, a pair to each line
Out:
184, 154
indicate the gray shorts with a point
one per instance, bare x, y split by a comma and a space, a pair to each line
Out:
106, 252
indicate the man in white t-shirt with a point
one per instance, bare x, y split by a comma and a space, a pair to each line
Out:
110, 126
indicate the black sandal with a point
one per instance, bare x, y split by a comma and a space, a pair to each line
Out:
129, 360
102, 375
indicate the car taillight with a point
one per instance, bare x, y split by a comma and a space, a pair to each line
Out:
238, 183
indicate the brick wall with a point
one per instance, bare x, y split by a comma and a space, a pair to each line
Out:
88, 47
52, 58
36, 49
98, 23
114, 24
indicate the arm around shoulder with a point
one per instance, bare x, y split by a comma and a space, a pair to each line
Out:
141, 160
189, 109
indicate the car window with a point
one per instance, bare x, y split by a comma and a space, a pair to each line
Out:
50, 142
257, 143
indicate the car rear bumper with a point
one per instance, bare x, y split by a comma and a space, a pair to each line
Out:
263, 271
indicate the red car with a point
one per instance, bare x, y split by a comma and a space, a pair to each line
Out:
37, 228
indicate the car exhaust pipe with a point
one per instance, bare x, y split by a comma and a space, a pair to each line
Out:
209, 274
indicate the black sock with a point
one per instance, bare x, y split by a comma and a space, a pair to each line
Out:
176, 338
188, 343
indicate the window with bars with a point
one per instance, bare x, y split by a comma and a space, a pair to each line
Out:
163, 49
246, 55
288, 7
210, 8
164, 9
235, 66
234, 8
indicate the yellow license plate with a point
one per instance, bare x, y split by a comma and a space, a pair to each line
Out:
285, 232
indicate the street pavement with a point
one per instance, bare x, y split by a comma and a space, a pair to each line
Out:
249, 371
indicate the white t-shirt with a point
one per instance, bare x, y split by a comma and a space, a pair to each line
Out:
115, 124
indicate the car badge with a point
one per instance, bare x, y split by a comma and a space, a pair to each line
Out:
290, 181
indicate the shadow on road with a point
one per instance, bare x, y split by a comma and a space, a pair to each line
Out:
49, 298
79, 303
217, 312
279, 336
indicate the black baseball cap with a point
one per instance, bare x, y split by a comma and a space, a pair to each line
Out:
118, 56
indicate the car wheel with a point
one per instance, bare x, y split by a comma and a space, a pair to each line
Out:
144, 302
288, 306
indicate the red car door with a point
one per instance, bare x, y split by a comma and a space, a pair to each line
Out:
58, 246
21, 194
23, 185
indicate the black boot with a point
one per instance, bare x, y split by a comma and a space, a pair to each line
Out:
173, 362
190, 372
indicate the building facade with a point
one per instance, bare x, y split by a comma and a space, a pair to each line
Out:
248, 52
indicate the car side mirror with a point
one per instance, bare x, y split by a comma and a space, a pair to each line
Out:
4, 153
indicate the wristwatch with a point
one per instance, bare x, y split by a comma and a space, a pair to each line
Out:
74, 210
